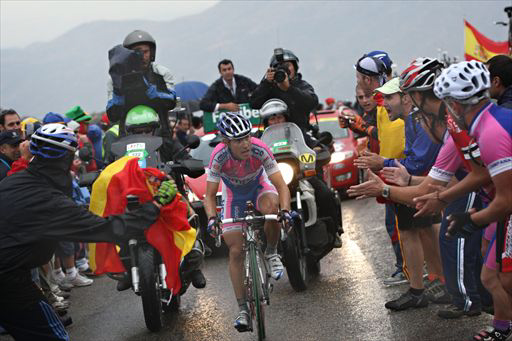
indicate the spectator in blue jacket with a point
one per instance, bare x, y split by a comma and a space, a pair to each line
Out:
420, 241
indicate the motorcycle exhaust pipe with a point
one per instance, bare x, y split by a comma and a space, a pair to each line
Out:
132, 244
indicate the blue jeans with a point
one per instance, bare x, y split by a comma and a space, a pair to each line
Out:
462, 259
392, 230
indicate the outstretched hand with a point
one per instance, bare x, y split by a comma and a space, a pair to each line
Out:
369, 160
397, 175
371, 188
430, 203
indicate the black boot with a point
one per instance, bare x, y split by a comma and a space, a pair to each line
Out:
198, 279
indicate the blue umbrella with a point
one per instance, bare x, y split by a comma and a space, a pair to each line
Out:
190, 90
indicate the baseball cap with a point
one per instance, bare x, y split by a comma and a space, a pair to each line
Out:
78, 114
390, 87
53, 117
384, 57
10, 137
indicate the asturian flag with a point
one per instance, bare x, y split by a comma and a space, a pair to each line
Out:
171, 234
479, 47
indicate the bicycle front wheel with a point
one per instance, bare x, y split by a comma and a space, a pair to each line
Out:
257, 293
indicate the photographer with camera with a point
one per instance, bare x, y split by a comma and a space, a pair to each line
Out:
283, 81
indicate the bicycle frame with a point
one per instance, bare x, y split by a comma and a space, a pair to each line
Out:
255, 269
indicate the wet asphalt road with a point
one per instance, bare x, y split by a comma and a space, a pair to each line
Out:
346, 302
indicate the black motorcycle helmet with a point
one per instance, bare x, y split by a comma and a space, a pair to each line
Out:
288, 56
140, 37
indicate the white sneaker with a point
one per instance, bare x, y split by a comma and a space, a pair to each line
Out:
78, 280
276, 266
83, 267
58, 276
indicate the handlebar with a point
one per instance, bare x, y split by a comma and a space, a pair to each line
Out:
248, 218
251, 218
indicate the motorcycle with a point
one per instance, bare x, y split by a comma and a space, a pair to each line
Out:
305, 242
147, 269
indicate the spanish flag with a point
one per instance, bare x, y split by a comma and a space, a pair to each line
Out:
171, 234
479, 47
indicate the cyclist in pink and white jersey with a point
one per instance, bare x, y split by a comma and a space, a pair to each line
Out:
249, 172
464, 89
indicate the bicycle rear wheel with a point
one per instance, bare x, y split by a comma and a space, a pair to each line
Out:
257, 293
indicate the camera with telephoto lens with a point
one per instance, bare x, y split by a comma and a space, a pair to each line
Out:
281, 70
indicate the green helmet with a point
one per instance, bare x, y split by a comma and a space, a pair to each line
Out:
141, 116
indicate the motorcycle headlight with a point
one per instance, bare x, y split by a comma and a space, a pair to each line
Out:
340, 156
286, 172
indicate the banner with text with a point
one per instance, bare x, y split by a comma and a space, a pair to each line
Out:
210, 118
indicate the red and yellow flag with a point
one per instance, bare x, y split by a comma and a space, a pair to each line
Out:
171, 234
479, 47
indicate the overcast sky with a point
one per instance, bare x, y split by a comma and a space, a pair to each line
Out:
26, 22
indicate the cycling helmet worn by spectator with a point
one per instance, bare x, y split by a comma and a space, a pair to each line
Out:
420, 74
463, 81
141, 116
53, 141
234, 126
140, 37
273, 106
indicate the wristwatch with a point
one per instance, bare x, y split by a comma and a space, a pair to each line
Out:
385, 191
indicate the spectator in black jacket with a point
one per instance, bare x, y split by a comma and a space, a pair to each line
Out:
35, 212
9, 151
298, 94
500, 68
228, 91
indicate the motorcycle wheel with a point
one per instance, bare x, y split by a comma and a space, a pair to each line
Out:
149, 288
295, 262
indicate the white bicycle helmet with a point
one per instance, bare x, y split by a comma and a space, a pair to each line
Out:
462, 81
233, 125
53, 140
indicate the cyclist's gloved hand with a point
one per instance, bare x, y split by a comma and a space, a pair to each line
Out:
461, 225
287, 216
213, 226
166, 192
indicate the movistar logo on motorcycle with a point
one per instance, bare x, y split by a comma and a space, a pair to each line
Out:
138, 150
210, 119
